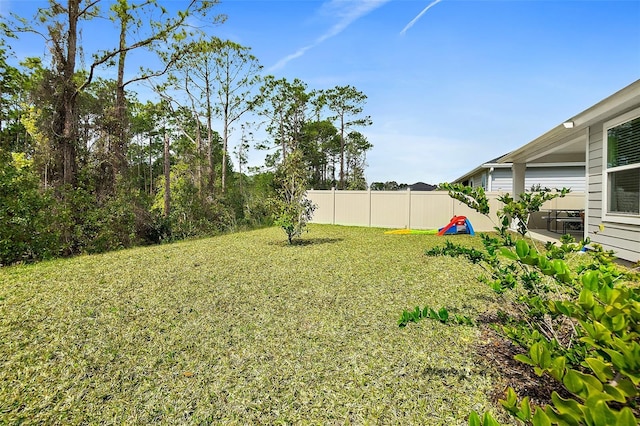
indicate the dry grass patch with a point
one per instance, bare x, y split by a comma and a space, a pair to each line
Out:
243, 329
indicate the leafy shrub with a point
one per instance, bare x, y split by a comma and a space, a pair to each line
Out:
25, 227
441, 315
577, 320
190, 213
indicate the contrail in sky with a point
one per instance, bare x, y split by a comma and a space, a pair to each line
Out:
346, 11
410, 24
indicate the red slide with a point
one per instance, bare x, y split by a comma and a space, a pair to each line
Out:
455, 221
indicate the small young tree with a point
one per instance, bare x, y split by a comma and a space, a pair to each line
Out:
292, 209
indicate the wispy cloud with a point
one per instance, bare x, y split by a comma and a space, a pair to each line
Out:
414, 20
345, 12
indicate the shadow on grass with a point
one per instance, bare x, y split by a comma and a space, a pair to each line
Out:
307, 242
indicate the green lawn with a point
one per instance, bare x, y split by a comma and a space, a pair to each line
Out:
243, 329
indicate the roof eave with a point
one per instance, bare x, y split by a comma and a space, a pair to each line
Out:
616, 103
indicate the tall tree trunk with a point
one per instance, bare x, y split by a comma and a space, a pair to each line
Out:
167, 176
283, 142
210, 164
150, 169
67, 111
68, 140
198, 136
198, 156
225, 137
119, 158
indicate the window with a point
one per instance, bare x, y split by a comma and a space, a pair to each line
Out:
622, 169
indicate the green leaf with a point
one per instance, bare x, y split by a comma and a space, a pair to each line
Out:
443, 315
488, 420
590, 280
511, 402
525, 410
605, 294
574, 383
559, 266
566, 407
596, 330
543, 263
602, 414
563, 307
586, 300
596, 398
627, 387
524, 359
619, 323
597, 312
508, 253
561, 419
557, 367
600, 369
474, 419
545, 357
617, 359
592, 383
537, 353
626, 418
540, 418
522, 248
635, 378
614, 393
616, 297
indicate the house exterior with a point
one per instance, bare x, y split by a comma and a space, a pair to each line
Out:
606, 137
496, 176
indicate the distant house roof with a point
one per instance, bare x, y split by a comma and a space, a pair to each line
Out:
421, 186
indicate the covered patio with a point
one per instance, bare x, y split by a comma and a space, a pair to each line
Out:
586, 137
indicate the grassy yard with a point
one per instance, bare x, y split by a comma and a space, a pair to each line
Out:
243, 329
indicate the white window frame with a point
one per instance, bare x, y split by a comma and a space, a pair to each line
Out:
630, 219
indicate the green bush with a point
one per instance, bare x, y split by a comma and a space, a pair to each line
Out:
574, 311
190, 213
26, 233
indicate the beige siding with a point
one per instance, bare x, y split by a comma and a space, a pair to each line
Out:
623, 239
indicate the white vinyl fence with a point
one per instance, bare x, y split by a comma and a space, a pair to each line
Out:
414, 209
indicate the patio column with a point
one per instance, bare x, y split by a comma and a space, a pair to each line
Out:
518, 171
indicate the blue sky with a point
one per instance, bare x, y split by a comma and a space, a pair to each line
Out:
450, 88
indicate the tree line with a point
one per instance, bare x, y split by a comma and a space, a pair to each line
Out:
87, 165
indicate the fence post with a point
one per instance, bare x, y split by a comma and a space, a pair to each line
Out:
369, 206
409, 209
333, 209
